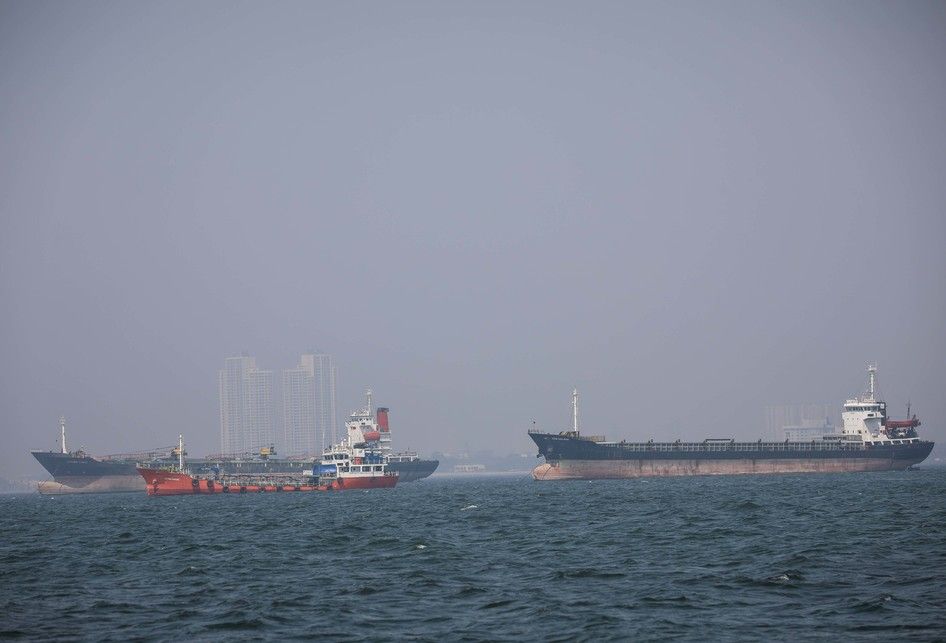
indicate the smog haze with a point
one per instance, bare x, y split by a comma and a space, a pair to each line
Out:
688, 211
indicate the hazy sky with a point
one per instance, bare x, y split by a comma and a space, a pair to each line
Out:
688, 210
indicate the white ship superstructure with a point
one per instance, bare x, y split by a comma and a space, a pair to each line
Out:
864, 418
372, 426
360, 453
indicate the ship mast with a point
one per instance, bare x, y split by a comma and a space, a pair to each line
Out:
575, 410
872, 374
62, 434
368, 397
180, 451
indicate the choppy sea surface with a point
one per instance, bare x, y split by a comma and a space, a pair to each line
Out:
786, 557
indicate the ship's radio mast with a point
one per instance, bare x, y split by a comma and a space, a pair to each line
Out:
62, 434
575, 410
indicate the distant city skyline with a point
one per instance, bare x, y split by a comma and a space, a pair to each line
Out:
800, 421
309, 404
246, 406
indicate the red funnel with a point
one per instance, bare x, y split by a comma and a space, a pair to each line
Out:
383, 419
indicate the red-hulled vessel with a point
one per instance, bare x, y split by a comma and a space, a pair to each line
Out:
355, 463
162, 482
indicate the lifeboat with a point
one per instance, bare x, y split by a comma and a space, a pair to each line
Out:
912, 423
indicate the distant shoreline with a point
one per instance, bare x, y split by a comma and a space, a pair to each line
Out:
478, 474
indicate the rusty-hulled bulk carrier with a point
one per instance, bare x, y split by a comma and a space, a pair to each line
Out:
869, 441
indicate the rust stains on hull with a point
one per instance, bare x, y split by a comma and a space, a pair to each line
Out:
87, 484
617, 469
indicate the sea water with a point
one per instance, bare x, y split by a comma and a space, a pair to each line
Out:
783, 557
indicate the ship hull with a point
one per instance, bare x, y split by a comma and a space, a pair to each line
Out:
74, 473
70, 465
411, 470
569, 458
373, 482
84, 474
160, 482
92, 484
604, 469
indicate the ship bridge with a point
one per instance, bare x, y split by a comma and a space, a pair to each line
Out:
864, 418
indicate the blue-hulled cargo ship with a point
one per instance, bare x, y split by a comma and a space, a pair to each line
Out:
869, 441
79, 472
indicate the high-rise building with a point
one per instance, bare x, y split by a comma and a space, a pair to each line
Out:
800, 421
298, 408
326, 414
309, 406
246, 406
